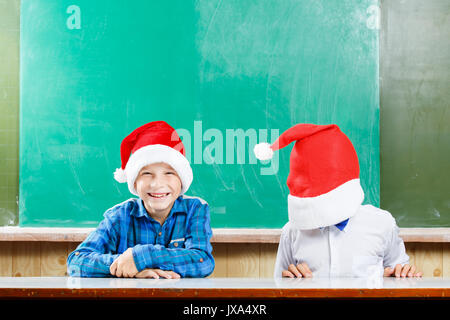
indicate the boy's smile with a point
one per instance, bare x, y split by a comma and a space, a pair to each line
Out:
161, 195
158, 185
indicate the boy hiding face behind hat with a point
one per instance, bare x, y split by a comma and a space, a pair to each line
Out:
163, 233
330, 233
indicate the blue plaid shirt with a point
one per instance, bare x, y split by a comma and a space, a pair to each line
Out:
181, 244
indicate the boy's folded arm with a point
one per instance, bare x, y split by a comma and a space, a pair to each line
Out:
94, 255
395, 252
86, 262
284, 255
192, 262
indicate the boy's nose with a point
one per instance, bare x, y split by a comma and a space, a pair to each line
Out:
156, 182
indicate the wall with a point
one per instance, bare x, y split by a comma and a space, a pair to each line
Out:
232, 260
9, 111
414, 117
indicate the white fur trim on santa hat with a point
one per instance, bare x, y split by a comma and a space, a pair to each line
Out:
263, 151
327, 209
158, 153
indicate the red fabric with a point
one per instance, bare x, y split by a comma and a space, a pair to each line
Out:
156, 132
322, 159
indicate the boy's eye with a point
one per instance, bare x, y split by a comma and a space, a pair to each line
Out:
170, 172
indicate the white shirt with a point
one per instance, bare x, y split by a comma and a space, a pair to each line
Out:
368, 244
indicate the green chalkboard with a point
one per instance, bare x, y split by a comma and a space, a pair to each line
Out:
415, 117
226, 74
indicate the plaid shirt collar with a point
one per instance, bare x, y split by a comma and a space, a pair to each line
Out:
179, 206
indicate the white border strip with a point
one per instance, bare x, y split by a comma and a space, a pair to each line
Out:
220, 235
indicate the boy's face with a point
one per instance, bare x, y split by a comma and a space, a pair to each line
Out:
158, 185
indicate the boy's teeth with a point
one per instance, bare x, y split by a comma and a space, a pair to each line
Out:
159, 195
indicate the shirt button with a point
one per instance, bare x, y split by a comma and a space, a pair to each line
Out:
201, 259
175, 244
159, 234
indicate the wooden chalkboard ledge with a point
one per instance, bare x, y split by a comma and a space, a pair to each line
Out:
220, 235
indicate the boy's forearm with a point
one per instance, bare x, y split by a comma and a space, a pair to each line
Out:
186, 262
89, 264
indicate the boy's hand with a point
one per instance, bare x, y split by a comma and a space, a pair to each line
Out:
157, 273
402, 271
299, 271
124, 265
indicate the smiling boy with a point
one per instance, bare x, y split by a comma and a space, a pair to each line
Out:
163, 233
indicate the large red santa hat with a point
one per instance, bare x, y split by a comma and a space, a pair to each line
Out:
152, 143
323, 180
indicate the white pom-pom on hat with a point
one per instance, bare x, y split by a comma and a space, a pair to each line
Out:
263, 151
120, 175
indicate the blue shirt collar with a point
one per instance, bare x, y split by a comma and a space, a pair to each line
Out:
140, 211
341, 225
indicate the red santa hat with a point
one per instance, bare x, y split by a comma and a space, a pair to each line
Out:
323, 179
152, 143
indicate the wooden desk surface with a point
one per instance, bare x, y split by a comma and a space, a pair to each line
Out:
107, 288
